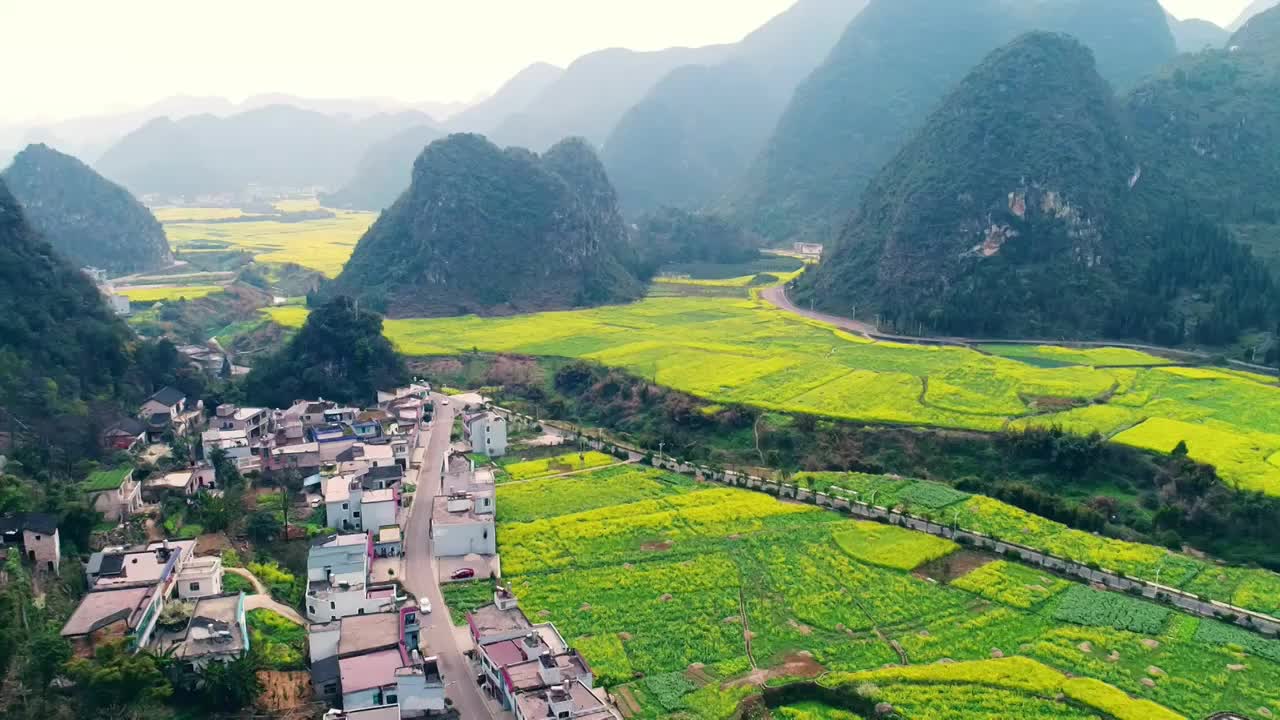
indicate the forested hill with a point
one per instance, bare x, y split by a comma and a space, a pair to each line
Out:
895, 62
1210, 125
486, 230
86, 217
1020, 209
64, 356
1193, 34
384, 171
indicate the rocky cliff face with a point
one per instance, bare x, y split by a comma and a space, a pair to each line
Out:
1021, 209
895, 62
485, 230
84, 216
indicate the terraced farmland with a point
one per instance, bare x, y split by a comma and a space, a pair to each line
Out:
661, 583
727, 350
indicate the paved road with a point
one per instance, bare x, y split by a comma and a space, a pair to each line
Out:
420, 572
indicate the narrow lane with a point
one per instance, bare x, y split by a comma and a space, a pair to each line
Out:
420, 572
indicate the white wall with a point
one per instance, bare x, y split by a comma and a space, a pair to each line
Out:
376, 515
464, 539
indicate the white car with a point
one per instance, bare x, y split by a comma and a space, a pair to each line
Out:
425, 606
444, 401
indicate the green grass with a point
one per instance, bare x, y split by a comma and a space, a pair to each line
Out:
280, 642
728, 350
105, 479
652, 584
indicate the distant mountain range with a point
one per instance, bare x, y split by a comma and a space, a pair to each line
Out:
89, 136
485, 230
87, 218
1022, 208
698, 128
895, 62
278, 146
384, 172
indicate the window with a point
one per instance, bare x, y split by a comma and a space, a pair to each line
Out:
346, 506
194, 587
410, 619
392, 699
355, 514
360, 611
333, 605
486, 534
331, 688
311, 609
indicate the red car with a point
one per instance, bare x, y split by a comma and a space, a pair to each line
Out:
462, 574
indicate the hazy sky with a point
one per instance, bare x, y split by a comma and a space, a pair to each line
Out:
74, 57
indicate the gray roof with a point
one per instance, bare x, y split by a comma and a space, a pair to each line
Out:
168, 396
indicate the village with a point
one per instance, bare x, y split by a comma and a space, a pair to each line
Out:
389, 501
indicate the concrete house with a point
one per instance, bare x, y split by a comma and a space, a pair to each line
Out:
459, 528
216, 632
487, 433
236, 445
35, 535
255, 422
521, 662
169, 409
338, 579
200, 578
373, 660
114, 493
124, 434
127, 592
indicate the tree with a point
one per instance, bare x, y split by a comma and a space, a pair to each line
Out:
226, 472
116, 676
340, 353
228, 686
263, 526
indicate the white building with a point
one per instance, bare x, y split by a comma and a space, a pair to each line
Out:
458, 528
200, 577
235, 443
487, 433
338, 580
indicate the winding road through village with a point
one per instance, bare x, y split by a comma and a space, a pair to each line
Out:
420, 572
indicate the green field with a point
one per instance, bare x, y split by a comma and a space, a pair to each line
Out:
662, 588
323, 245
744, 351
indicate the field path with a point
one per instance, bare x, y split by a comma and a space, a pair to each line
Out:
262, 599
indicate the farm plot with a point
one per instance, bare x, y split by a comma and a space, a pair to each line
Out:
662, 594
1011, 584
146, 295
323, 244
569, 462
552, 497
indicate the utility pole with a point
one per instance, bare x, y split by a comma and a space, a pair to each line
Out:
661, 445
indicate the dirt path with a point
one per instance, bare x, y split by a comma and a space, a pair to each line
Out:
746, 625
262, 600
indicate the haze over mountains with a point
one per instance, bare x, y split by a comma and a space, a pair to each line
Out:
274, 146
696, 131
86, 217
